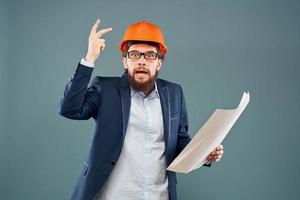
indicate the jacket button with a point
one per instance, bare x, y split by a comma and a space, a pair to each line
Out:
113, 162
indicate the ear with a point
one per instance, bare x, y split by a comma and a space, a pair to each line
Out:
159, 64
124, 60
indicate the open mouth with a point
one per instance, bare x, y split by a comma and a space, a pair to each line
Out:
141, 72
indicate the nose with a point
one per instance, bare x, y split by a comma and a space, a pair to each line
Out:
142, 61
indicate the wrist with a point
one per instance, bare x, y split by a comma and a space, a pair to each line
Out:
89, 60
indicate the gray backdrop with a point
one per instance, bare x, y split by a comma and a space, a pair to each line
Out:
217, 50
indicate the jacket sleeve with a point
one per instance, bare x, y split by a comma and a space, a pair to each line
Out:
183, 135
80, 101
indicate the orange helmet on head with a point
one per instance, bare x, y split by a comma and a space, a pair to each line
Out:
144, 31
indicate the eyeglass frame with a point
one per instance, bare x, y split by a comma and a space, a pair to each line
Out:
142, 54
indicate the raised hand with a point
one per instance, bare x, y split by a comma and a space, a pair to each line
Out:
96, 42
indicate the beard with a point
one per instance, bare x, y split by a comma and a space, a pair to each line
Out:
145, 86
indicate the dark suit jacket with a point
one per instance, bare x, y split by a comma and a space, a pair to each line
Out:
107, 100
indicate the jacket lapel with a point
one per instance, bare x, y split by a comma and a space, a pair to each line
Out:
125, 100
165, 106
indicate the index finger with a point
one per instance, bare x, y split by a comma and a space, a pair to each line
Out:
95, 26
103, 31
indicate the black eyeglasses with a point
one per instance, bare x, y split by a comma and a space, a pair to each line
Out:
149, 55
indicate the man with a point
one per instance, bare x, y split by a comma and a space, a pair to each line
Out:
141, 121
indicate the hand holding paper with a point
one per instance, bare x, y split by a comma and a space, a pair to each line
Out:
216, 155
207, 138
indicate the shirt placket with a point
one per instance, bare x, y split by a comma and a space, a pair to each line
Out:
147, 149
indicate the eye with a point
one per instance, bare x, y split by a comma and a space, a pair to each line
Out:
151, 55
134, 54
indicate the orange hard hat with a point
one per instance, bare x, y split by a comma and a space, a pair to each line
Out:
144, 31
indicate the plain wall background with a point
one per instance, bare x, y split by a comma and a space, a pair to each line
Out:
217, 50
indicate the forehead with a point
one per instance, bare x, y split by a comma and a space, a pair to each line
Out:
142, 48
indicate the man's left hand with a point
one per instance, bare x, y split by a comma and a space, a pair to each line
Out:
216, 155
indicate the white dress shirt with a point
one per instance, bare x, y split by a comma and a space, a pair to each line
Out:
140, 172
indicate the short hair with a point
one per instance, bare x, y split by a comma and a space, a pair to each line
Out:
154, 44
